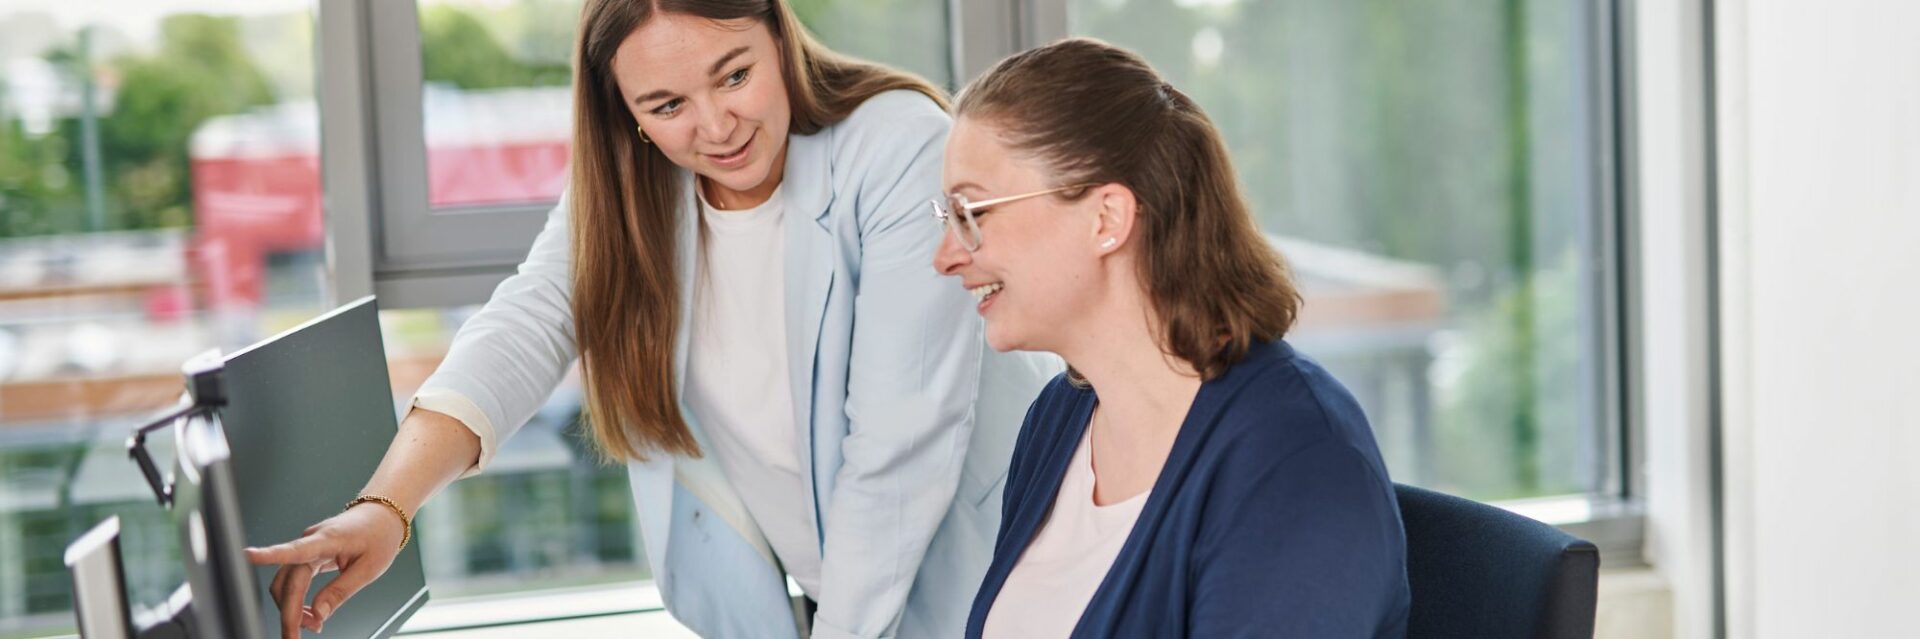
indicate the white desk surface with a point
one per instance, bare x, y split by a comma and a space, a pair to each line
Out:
622, 610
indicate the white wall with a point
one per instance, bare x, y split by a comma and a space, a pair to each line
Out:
1820, 242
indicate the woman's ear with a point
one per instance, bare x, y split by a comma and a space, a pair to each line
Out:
1118, 210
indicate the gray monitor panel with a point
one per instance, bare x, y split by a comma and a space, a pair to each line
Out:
310, 415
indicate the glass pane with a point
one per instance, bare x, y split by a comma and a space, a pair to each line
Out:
907, 34
545, 514
159, 196
496, 94
496, 99
1430, 171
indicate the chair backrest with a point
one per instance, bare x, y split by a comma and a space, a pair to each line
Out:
1479, 571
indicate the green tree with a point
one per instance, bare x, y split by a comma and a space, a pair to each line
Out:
1506, 437
905, 34
200, 71
38, 195
459, 50
1447, 134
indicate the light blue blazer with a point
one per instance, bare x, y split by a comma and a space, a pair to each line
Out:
907, 421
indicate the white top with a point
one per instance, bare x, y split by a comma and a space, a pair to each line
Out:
1050, 586
737, 387
737, 384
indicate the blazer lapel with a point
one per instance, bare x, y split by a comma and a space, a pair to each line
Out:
807, 187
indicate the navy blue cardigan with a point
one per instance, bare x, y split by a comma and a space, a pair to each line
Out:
1273, 516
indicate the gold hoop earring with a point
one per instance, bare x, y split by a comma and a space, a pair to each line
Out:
643, 135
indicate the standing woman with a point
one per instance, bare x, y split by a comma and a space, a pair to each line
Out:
740, 266
1191, 474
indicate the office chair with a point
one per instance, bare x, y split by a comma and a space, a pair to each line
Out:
1479, 571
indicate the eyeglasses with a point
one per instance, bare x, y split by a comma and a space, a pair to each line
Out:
960, 215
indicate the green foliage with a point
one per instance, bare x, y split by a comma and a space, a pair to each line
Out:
1447, 134
1512, 427
198, 72
904, 34
39, 195
458, 49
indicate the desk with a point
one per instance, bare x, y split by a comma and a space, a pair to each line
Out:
622, 610
656, 624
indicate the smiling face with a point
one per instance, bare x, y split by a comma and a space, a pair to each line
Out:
711, 96
1038, 269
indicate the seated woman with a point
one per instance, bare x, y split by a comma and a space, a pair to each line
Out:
1191, 474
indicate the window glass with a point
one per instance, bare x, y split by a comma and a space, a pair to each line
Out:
1430, 170
496, 94
159, 196
545, 514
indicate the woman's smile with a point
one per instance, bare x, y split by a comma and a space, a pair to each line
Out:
736, 158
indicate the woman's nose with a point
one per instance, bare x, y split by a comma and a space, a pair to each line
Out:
950, 256
716, 124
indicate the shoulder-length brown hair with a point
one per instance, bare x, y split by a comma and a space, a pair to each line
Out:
624, 195
1097, 114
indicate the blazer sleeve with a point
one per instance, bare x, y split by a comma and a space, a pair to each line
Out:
1307, 546
912, 378
508, 357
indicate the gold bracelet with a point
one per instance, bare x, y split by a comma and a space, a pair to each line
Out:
405, 521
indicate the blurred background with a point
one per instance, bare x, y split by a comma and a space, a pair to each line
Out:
1462, 187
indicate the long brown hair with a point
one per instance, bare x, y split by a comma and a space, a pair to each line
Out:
623, 200
1097, 114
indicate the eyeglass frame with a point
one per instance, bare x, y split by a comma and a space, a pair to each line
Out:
969, 235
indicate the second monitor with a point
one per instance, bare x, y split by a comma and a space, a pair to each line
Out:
310, 413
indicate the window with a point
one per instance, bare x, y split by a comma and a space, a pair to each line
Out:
545, 514
472, 101
1441, 176
908, 34
1435, 173
159, 196
496, 85
495, 77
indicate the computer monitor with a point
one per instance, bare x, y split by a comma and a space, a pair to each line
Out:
99, 586
217, 601
309, 415
268, 441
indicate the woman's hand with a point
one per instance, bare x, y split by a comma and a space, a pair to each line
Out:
361, 543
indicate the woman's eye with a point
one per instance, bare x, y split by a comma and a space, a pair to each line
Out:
737, 77
669, 108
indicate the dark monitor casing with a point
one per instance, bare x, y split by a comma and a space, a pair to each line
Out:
309, 415
207, 510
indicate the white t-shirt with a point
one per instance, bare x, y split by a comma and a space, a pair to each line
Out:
1054, 579
737, 383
